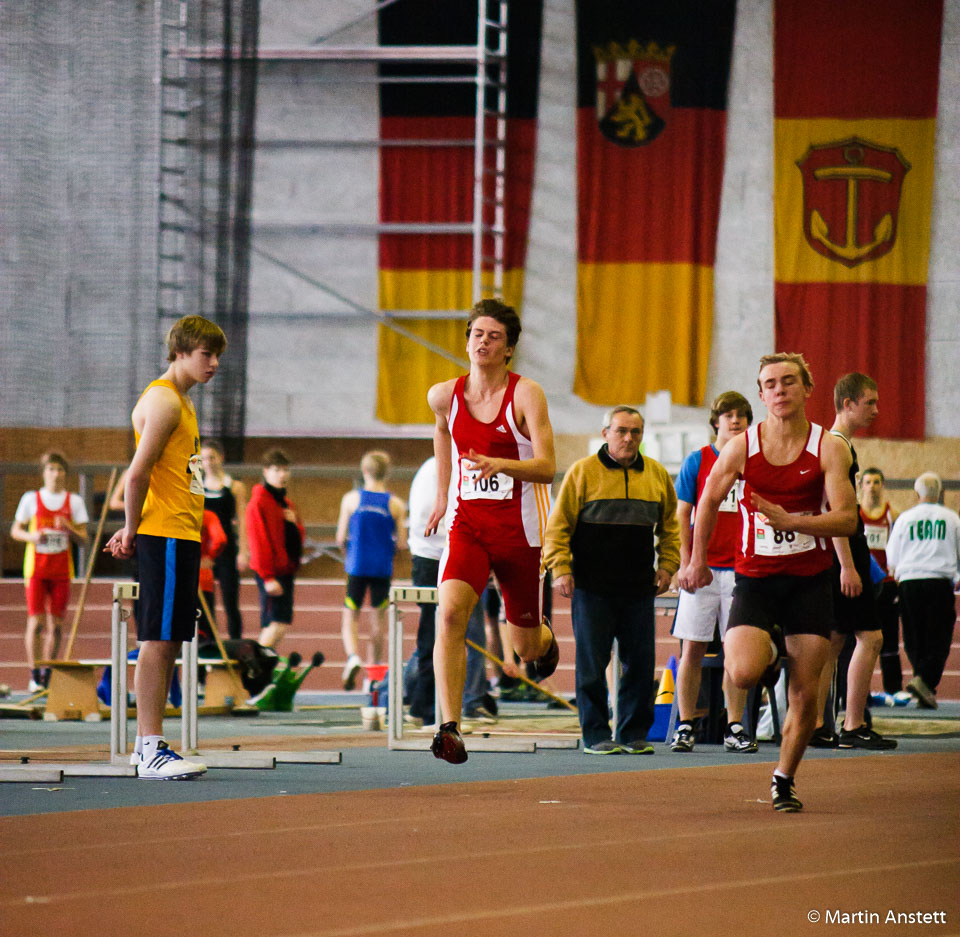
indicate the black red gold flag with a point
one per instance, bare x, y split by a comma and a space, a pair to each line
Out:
434, 183
853, 182
651, 100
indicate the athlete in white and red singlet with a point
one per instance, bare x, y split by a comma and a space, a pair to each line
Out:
493, 438
782, 602
877, 515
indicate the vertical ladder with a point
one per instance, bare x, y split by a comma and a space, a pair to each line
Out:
172, 220
489, 182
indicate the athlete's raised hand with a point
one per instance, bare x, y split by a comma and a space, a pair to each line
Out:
776, 516
485, 465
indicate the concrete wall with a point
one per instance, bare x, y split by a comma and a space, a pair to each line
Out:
77, 211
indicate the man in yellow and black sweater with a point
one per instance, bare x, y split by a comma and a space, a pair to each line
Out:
613, 544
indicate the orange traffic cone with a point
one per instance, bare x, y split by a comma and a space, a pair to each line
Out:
666, 691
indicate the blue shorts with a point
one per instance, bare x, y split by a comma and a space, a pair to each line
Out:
168, 570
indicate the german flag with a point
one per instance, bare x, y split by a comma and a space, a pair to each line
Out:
651, 99
434, 183
855, 99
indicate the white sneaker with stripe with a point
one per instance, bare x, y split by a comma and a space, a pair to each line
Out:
166, 765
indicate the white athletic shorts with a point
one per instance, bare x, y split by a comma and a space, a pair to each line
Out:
697, 612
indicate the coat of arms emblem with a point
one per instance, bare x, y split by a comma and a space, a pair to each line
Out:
633, 91
851, 199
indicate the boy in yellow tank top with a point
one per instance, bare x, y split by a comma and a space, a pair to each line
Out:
163, 504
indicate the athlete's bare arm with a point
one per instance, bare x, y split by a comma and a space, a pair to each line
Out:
729, 465
684, 513
239, 490
530, 406
348, 504
841, 519
399, 512
440, 397
19, 531
156, 417
850, 583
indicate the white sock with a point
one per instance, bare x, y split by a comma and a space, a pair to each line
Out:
777, 773
138, 745
149, 748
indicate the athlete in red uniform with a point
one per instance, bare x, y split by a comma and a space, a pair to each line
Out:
47, 521
493, 438
782, 602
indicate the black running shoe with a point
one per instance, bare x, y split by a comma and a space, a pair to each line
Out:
865, 738
448, 745
823, 738
546, 664
772, 674
784, 794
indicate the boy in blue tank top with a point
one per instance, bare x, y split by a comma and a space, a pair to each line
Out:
369, 530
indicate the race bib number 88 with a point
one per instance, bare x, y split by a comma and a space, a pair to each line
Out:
474, 488
768, 541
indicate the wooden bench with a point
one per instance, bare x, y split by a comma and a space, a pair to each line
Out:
72, 694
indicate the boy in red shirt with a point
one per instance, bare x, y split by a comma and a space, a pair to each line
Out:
275, 536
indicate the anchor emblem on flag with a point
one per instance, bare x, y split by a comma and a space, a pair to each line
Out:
851, 199
633, 91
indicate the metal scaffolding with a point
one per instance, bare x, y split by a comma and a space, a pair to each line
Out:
488, 56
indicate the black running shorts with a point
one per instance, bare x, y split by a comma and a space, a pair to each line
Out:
859, 613
276, 608
798, 604
357, 587
169, 571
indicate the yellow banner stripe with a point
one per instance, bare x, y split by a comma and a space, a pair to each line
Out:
642, 328
407, 370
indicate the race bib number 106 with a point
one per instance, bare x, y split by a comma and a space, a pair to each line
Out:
474, 488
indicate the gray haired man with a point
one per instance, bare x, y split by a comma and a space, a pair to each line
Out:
923, 554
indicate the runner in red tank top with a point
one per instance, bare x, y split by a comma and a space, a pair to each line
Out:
493, 438
782, 602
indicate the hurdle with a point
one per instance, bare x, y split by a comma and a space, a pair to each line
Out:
396, 740
119, 763
189, 723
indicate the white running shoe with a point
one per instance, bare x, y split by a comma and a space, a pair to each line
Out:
167, 765
34, 687
351, 670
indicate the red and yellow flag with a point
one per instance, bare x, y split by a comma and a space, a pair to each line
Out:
435, 184
652, 95
855, 87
